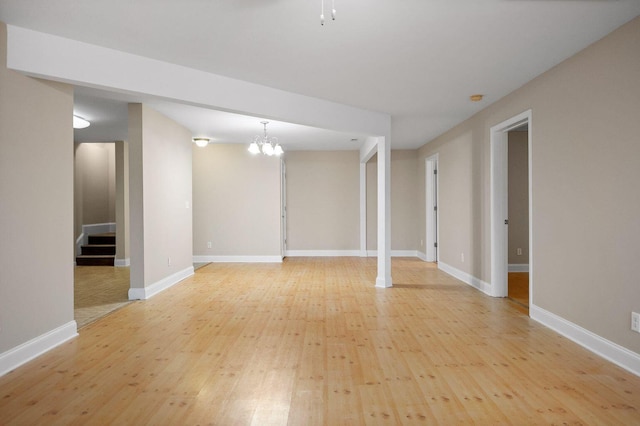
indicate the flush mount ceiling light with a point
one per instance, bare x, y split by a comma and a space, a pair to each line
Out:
476, 98
201, 142
80, 123
268, 145
333, 11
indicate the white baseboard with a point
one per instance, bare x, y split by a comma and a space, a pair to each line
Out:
13, 358
155, 288
323, 253
395, 253
237, 259
121, 263
466, 278
608, 350
422, 256
518, 267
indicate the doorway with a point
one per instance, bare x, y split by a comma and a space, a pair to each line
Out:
499, 203
518, 214
431, 197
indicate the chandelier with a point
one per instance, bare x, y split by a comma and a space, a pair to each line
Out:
268, 145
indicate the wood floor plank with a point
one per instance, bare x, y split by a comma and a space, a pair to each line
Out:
313, 342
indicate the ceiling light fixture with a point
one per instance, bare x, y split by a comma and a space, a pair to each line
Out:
201, 142
476, 98
80, 123
333, 11
268, 145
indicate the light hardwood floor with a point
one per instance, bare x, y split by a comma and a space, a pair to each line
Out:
312, 342
97, 291
519, 290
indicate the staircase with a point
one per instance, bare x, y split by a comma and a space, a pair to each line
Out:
101, 250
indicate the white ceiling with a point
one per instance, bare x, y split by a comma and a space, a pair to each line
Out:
417, 60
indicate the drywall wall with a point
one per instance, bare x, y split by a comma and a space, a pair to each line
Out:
94, 191
36, 206
323, 202
518, 196
404, 200
236, 202
585, 158
160, 197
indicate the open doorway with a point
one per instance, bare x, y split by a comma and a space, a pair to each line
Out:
499, 204
518, 214
101, 280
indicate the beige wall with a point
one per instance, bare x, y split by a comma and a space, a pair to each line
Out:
518, 197
236, 199
404, 201
36, 205
585, 199
159, 196
94, 191
323, 201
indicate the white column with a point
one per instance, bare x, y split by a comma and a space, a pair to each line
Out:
122, 204
384, 213
363, 209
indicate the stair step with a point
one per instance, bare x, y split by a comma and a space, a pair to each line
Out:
106, 238
95, 260
109, 249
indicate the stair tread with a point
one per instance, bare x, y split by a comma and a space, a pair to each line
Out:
104, 234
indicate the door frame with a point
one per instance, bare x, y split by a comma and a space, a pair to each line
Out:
499, 203
431, 196
283, 208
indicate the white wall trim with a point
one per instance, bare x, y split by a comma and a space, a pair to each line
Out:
395, 253
80, 241
518, 267
422, 256
499, 201
121, 263
466, 278
431, 197
238, 259
608, 350
323, 253
149, 291
13, 358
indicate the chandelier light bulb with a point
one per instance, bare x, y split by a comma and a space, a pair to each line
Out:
333, 10
267, 149
278, 150
253, 148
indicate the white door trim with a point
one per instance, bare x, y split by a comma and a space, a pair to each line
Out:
499, 204
431, 197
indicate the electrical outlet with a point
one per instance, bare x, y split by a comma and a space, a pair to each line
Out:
208, 244
462, 257
168, 261
635, 322
421, 243
519, 251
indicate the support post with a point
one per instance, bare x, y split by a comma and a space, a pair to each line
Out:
384, 213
